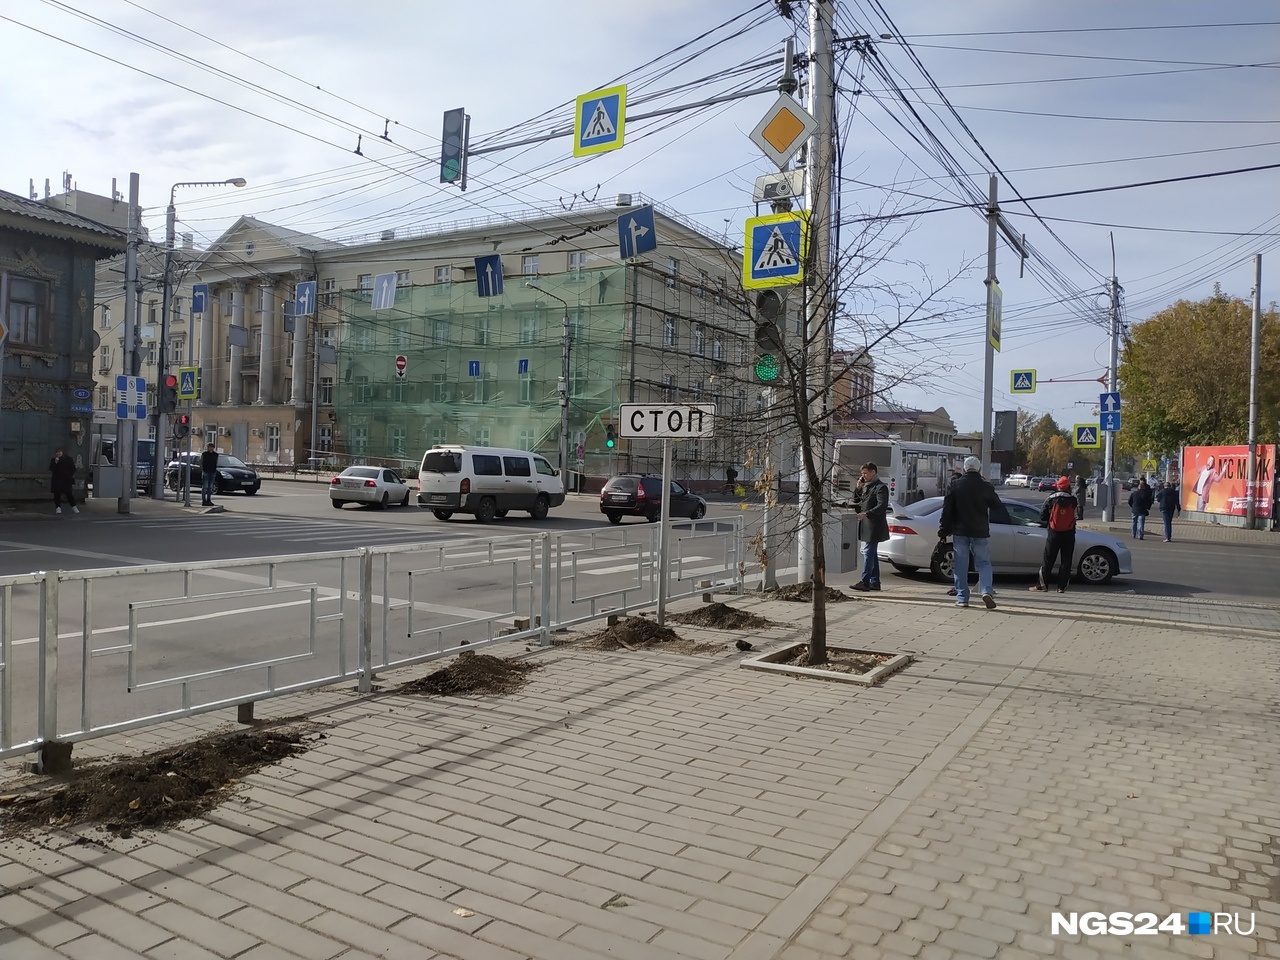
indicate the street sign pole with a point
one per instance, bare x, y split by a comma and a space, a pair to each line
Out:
664, 525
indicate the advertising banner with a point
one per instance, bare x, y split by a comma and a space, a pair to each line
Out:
1214, 479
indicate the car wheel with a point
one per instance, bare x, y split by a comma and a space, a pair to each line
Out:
1097, 566
443, 514
540, 508
904, 568
653, 516
486, 510
614, 517
337, 504
405, 501
944, 568
698, 512
382, 504
253, 492
173, 482
500, 513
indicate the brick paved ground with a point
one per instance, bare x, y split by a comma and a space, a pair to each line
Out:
1045, 756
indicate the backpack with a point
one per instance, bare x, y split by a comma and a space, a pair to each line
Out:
1062, 516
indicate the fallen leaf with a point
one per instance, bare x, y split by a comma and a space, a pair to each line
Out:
464, 912
135, 803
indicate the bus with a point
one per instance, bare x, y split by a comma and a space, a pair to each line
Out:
912, 470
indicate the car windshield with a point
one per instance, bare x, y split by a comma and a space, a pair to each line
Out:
226, 460
442, 461
371, 472
921, 508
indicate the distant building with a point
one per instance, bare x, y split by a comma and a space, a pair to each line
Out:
853, 386
921, 426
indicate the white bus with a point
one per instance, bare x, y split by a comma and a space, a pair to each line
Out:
912, 470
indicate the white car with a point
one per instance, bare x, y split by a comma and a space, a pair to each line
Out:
373, 485
1017, 543
1017, 480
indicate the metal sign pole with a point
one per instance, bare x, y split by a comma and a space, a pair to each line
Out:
664, 524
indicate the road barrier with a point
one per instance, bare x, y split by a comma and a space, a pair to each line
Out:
86, 653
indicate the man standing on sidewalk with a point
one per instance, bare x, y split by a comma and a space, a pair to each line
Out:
208, 475
872, 504
966, 518
1170, 501
1140, 500
1059, 512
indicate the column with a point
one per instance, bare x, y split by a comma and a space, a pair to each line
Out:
206, 350
235, 382
267, 311
301, 331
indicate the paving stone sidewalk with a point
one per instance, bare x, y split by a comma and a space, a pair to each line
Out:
650, 806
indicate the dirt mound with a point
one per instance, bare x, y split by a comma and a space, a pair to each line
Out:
473, 673
639, 633
156, 790
723, 617
803, 593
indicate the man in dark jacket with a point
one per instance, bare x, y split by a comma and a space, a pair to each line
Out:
1140, 500
1170, 501
208, 474
966, 519
1082, 488
1059, 514
872, 503
63, 471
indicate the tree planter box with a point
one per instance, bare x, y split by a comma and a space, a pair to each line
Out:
778, 662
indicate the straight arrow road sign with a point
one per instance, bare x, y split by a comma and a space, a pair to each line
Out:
636, 233
1109, 421
489, 275
1108, 402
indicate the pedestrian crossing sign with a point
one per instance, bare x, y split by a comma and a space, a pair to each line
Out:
1022, 381
1150, 466
188, 383
1088, 436
599, 121
774, 250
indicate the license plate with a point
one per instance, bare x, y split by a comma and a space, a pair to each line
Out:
248, 483
437, 498
352, 484
615, 498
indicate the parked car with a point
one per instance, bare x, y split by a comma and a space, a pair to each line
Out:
1017, 543
1046, 484
640, 495
487, 482
376, 486
1017, 480
233, 474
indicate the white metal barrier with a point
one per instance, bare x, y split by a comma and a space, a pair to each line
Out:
86, 653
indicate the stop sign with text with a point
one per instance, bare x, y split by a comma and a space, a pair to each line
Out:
666, 421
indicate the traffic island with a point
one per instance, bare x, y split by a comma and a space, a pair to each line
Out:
863, 667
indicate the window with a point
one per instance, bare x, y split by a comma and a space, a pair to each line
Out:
402, 279
361, 336
324, 438
25, 311
400, 335
396, 437
225, 303
104, 398
529, 265
444, 274
740, 403
699, 342
364, 282
481, 390
742, 352
363, 392
484, 464
437, 388
526, 437
326, 391
695, 389
255, 339
717, 349
151, 353
483, 338
673, 270
543, 468
329, 293
398, 391
327, 335
719, 290
273, 439
104, 359
153, 312
105, 321
669, 338
577, 262
578, 384
577, 323
177, 352
702, 284
516, 467
439, 436
359, 438
667, 383
439, 332
526, 393
530, 326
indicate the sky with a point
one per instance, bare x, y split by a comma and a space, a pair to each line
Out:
1055, 96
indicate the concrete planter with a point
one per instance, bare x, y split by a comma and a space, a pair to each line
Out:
776, 662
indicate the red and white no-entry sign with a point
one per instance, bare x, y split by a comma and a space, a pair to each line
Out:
401, 363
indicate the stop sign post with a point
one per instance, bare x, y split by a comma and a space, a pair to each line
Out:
402, 363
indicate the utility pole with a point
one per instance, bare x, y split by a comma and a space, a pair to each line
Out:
127, 430
989, 353
1108, 468
1255, 336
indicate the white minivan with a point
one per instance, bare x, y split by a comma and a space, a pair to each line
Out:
487, 482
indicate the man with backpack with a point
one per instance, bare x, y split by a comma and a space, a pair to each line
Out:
1059, 512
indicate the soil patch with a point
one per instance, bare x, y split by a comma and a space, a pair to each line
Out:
157, 790
473, 673
721, 616
639, 633
842, 661
803, 593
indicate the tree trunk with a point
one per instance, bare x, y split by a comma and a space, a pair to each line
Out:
818, 630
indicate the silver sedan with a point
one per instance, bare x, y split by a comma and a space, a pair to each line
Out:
1017, 543
377, 486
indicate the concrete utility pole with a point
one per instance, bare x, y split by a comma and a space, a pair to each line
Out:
1108, 468
565, 346
818, 308
127, 430
989, 353
1255, 336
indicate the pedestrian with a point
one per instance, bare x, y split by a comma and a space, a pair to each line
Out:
1170, 500
730, 478
966, 519
63, 471
1140, 500
208, 474
1059, 514
872, 503
1081, 489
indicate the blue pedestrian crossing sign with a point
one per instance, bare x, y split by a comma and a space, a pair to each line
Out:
304, 299
1022, 381
599, 120
384, 291
1088, 436
188, 383
1109, 421
199, 298
636, 233
131, 398
774, 250
489, 275
1108, 402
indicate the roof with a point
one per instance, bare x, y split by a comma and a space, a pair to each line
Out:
304, 241
31, 216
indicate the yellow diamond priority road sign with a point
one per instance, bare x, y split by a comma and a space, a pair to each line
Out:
783, 130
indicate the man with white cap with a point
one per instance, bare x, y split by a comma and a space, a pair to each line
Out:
966, 519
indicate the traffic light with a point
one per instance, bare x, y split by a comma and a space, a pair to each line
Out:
453, 147
182, 426
610, 438
769, 307
167, 399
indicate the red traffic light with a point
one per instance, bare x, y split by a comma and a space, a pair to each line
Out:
171, 381
184, 420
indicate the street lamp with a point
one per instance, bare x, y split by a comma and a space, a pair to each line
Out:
564, 380
162, 361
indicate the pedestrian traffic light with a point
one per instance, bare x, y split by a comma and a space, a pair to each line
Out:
610, 438
768, 308
453, 147
168, 395
182, 426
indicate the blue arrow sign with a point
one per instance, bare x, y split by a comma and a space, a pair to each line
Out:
489, 275
304, 299
200, 298
636, 233
522, 367
1108, 402
473, 368
384, 291
1109, 420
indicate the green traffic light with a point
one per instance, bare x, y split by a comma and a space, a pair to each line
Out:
609, 443
767, 368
